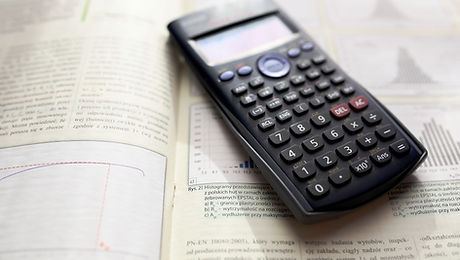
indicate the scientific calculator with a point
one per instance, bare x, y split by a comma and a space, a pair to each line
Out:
323, 142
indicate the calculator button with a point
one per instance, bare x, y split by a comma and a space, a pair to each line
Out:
291, 97
320, 120
284, 116
319, 59
347, 90
303, 64
340, 178
274, 104
399, 147
367, 141
327, 69
322, 85
386, 132
273, 65
226, 75
244, 71
361, 167
291, 154
340, 111
326, 160
333, 135
312, 74
318, 189
381, 157
316, 102
256, 82
239, 90
257, 112
353, 126
332, 96
359, 103
248, 100
267, 124
300, 128
265, 92
300, 109
337, 79
305, 171
347, 151
372, 118
307, 91
280, 137
281, 86
307, 46
293, 52
313, 144
297, 80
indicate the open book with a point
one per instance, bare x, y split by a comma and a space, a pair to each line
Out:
111, 150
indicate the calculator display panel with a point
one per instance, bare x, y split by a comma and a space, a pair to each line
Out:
240, 40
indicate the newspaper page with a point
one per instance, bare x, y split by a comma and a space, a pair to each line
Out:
87, 105
404, 52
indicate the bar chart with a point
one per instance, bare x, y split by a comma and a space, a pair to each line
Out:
435, 127
215, 154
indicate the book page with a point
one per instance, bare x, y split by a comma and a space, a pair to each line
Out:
404, 53
99, 74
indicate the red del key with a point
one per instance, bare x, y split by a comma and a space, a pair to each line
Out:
340, 111
359, 103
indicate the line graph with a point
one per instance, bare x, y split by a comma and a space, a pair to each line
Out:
41, 165
81, 194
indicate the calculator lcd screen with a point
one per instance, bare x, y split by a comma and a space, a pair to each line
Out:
242, 39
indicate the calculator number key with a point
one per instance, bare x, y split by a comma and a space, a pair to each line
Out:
326, 160
340, 178
347, 150
333, 135
313, 144
301, 128
320, 120
318, 189
291, 154
305, 171
279, 138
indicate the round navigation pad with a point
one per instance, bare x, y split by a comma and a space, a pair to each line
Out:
273, 65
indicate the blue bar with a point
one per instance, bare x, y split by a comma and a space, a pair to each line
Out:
251, 163
241, 165
246, 164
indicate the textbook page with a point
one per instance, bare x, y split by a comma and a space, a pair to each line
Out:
87, 112
406, 53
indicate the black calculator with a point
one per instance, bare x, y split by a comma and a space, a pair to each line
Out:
323, 142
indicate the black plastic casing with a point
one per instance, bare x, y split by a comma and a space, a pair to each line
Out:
279, 174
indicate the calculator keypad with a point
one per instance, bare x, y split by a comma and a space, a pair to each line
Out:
320, 126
